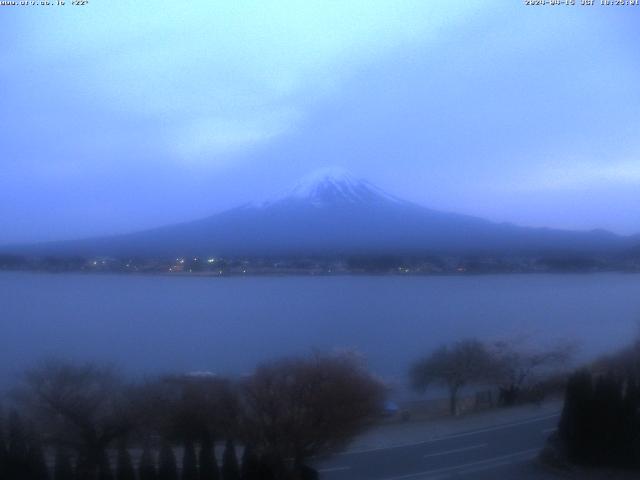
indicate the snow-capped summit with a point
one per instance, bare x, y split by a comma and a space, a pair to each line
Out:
329, 187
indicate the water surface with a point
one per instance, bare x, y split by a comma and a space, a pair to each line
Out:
226, 325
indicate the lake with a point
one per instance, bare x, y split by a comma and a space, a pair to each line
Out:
147, 324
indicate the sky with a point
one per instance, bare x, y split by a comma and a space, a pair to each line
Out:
120, 116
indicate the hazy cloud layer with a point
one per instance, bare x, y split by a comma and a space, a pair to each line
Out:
124, 115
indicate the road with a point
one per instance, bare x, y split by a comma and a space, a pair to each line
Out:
502, 451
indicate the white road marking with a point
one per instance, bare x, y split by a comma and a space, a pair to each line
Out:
498, 427
448, 437
333, 469
488, 463
456, 450
524, 457
549, 430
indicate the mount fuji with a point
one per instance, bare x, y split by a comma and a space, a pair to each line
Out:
333, 213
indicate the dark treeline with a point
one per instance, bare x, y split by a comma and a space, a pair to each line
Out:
85, 422
600, 423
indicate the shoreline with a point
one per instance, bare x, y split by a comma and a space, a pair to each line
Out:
318, 274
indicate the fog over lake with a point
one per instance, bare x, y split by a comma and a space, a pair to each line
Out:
147, 324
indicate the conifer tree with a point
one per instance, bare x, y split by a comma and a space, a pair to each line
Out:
36, 462
271, 467
167, 469
189, 462
147, 466
3, 447
306, 472
17, 449
104, 468
600, 424
632, 425
230, 469
207, 461
62, 469
576, 415
78, 467
124, 465
606, 423
250, 468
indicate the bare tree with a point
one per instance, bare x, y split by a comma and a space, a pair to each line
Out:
517, 365
463, 363
188, 408
80, 406
296, 408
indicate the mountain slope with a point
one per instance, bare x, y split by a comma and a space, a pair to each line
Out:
333, 213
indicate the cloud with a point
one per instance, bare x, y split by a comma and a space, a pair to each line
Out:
213, 139
224, 76
582, 175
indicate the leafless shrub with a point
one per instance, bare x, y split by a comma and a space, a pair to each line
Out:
297, 408
85, 407
466, 362
520, 370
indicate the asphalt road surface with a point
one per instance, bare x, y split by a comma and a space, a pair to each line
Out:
498, 452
